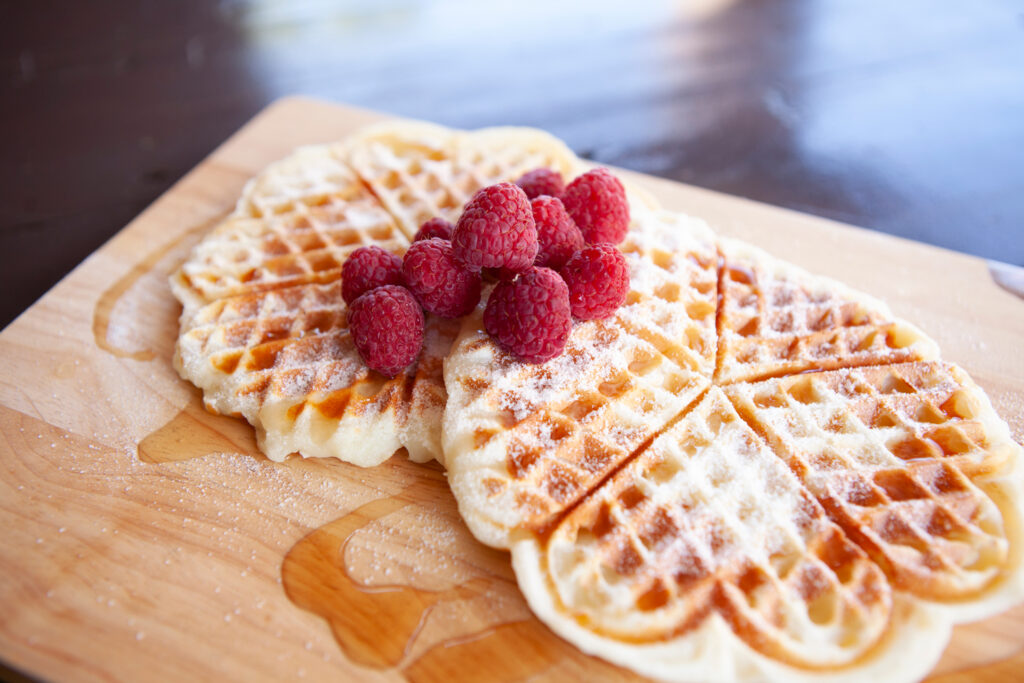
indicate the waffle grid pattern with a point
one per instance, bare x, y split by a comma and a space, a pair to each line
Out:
672, 299
542, 436
778, 320
582, 431
439, 172
286, 337
886, 450
289, 242
622, 563
663, 544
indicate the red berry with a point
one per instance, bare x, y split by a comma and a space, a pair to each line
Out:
530, 315
598, 281
367, 268
557, 236
541, 181
386, 325
435, 227
496, 230
438, 282
596, 200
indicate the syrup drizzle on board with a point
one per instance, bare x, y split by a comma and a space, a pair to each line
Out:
113, 561
103, 312
438, 617
193, 433
378, 620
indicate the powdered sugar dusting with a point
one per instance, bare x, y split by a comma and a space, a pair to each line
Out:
708, 502
564, 423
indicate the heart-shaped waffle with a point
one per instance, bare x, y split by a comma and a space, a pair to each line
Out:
821, 498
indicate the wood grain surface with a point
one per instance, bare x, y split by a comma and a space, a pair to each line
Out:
148, 540
904, 117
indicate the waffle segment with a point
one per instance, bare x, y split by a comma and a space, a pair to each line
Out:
707, 528
523, 442
777, 319
419, 171
891, 453
296, 223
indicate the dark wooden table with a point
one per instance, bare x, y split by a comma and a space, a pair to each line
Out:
906, 117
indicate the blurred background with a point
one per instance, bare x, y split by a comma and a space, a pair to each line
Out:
905, 117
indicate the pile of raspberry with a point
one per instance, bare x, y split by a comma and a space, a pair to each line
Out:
549, 247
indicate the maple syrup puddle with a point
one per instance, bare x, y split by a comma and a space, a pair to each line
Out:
374, 625
195, 433
108, 300
377, 626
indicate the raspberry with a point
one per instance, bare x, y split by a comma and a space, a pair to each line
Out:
596, 200
386, 325
530, 315
437, 281
435, 227
541, 181
366, 268
598, 280
496, 230
557, 236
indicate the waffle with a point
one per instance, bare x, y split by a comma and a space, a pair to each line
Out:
419, 171
296, 222
777, 319
532, 439
824, 500
705, 559
783, 530
284, 360
893, 453
263, 327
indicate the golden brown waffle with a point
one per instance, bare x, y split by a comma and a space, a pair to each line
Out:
777, 319
284, 360
835, 527
825, 530
706, 528
297, 222
264, 332
419, 171
890, 451
531, 439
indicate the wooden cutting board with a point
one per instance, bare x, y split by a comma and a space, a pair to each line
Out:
145, 539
